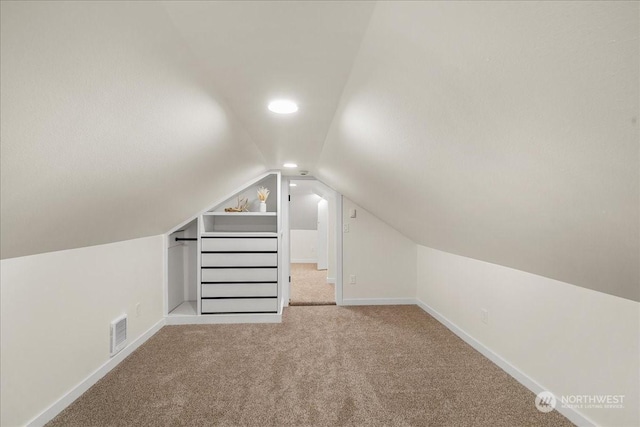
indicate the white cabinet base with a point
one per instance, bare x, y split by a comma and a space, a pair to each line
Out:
240, 305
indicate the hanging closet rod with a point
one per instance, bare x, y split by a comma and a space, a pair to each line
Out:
185, 238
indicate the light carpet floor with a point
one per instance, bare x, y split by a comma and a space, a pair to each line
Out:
309, 286
323, 366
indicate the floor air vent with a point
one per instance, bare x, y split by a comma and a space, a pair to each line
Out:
118, 334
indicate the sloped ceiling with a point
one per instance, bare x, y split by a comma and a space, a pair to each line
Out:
122, 119
501, 131
264, 50
110, 128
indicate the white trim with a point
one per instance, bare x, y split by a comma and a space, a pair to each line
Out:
572, 414
215, 319
379, 301
165, 274
284, 251
84, 385
338, 240
278, 202
199, 230
339, 249
331, 280
304, 261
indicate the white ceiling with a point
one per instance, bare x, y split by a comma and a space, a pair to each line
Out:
122, 119
502, 131
110, 128
259, 51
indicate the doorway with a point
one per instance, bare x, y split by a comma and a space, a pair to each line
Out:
312, 230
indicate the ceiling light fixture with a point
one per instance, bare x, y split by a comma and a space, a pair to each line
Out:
283, 106
291, 184
290, 165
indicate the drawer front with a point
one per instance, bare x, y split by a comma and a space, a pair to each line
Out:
244, 305
239, 290
239, 275
248, 244
239, 260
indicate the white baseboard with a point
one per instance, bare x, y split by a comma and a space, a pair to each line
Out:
217, 319
53, 410
378, 301
331, 280
573, 415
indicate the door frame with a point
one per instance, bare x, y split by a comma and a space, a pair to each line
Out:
322, 238
286, 241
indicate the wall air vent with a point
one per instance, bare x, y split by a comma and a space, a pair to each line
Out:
118, 334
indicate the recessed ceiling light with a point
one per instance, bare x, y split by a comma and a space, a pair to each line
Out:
291, 184
283, 106
290, 165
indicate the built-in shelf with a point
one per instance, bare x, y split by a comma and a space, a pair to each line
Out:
227, 262
240, 213
239, 255
239, 234
187, 308
239, 222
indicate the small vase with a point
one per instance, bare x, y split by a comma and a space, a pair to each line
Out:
263, 207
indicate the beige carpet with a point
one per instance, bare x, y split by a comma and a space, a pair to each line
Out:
309, 286
323, 366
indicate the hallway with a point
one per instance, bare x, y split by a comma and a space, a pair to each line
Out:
309, 286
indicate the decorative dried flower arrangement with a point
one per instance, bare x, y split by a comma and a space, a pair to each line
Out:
243, 205
263, 194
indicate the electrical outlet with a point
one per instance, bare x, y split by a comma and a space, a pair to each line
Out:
352, 279
138, 310
484, 316
346, 228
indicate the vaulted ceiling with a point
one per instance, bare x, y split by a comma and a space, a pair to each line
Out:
268, 50
502, 131
122, 119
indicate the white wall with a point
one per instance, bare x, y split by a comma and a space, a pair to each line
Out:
383, 260
568, 339
501, 131
303, 246
303, 211
56, 310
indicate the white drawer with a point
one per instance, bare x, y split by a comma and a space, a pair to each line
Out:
239, 260
247, 244
239, 274
240, 290
244, 305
